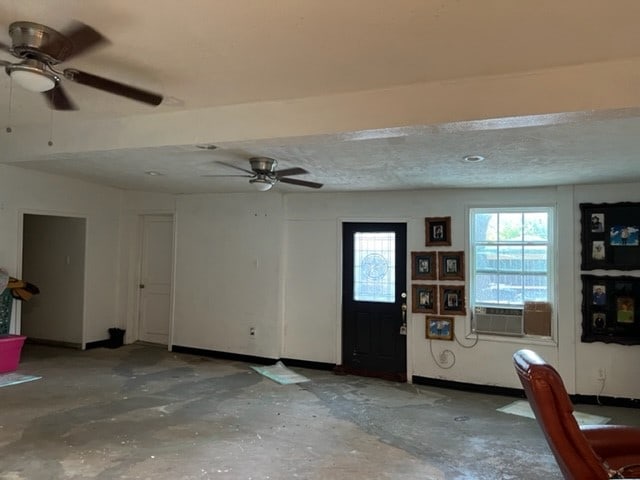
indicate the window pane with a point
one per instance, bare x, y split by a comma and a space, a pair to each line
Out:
485, 227
510, 289
486, 288
486, 257
535, 258
510, 258
510, 227
374, 269
535, 288
536, 226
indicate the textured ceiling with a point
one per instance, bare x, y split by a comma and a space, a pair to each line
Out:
364, 94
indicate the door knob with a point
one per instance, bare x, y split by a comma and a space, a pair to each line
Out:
141, 285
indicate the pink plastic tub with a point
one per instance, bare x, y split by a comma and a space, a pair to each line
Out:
10, 348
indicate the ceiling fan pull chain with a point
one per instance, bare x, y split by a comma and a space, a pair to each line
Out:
8, 128
50, 142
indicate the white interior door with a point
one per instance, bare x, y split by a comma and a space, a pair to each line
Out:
155, 279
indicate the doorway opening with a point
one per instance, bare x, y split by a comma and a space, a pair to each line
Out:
53, 259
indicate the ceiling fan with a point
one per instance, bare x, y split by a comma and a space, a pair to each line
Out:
39, 48
264, 175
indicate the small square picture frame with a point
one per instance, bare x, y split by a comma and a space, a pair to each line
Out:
437, 231
423, 266
439, 328
450, 265
424, 299
452, 300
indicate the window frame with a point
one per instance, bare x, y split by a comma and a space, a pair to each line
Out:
551, 243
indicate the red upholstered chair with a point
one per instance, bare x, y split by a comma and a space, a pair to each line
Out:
588, 453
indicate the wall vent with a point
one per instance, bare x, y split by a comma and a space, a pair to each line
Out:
498, 321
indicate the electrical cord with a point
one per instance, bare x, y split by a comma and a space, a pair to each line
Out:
444, 354
603, 380
475, 342
448, 353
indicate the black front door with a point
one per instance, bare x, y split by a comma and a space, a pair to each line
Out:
373, 295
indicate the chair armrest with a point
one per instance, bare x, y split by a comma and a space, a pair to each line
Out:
613, 440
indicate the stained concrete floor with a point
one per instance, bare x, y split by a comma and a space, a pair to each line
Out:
140, 412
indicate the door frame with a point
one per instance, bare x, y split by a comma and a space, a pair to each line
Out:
339, 271
134, 322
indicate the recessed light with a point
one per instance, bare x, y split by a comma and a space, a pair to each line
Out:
473, 158
153, 173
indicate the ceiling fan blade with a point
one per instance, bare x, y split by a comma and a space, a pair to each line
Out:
251, 173
214, 175
83, 38
302, 183
290, 171
112, 86
58, 99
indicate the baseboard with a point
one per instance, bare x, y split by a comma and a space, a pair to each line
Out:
53, 343
97, 344
609, 401
223, 355
468, 387
518, 392
294, 362
289, 362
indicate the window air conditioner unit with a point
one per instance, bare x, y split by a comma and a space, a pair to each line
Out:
498, 321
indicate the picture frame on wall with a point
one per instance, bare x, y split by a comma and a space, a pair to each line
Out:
451, 265
439, 328
611, 309
437, 231
610, 236
452, 300
423, 266
424, 299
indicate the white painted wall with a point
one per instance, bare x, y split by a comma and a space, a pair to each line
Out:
272, 262
312, 282
24, 191
622, 363
229, 273
53, 257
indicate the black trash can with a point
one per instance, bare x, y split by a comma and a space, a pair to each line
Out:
116, 337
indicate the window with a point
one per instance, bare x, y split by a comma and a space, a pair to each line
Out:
511, 256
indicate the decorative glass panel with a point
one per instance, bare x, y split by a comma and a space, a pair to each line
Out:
374, 269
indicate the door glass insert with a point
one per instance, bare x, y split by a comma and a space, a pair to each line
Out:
374, 268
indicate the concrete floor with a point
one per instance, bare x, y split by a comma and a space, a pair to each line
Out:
140, 412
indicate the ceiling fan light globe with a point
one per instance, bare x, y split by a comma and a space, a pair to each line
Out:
32, 75
33, 82
260, 184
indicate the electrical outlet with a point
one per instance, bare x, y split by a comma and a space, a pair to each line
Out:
602, 374
252, 331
